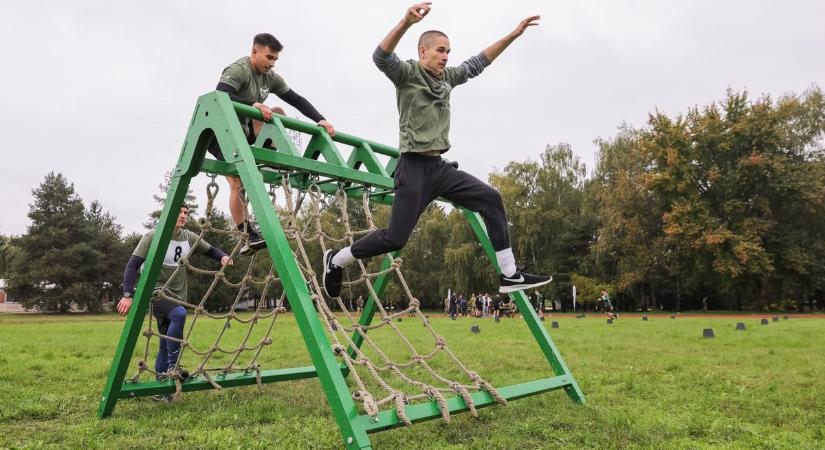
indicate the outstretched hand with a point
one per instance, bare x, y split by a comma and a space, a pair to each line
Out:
417, 12
528, 22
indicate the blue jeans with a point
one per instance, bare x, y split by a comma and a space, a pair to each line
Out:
171, 325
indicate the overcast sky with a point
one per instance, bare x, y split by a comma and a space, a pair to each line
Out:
102, 91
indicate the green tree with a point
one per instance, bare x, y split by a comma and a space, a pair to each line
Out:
552, 228
61, 261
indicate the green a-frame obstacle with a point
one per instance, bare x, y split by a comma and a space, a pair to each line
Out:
215, 112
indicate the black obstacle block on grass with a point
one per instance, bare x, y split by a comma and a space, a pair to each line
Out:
740, 326
785, 317
541, 318
475, 329
764, 321
498, 319
708, 333
554, 324
610, 321
776, 318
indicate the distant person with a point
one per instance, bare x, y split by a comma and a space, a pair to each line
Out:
538, 303
171, 316
359, 303
608, 306
453, 305
495, 305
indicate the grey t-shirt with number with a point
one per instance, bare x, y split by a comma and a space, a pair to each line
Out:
180, 246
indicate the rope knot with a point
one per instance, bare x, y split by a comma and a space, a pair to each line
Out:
267, 341
440, 401
370, 406
440, 342
415, 303
148, 333
338, 350
141, 364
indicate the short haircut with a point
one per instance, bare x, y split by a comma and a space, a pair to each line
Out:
428, 36
268, 40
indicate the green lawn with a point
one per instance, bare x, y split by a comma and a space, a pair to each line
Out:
655, 384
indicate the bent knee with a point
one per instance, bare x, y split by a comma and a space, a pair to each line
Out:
494, 197
177, 313
396, 243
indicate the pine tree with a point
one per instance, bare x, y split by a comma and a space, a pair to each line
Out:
59, 261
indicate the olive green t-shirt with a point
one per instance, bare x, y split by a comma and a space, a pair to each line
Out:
423, 100
252, 86
180, 246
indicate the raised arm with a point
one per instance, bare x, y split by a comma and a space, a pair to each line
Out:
413, 15
494, 50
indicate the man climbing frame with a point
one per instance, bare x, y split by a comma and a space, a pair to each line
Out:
171, 316
423, 95
250, 80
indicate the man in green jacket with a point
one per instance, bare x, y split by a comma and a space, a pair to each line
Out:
423, 96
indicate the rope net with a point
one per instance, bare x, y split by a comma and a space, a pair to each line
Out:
388, 370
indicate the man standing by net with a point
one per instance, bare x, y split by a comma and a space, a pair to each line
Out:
250, 80
423, 95
172, 282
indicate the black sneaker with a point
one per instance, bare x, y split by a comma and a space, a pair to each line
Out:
254, 243
520, 281
332, 275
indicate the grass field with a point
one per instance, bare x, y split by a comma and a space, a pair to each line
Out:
655, 384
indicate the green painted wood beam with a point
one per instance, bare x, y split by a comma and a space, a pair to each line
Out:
143, 389
429, 410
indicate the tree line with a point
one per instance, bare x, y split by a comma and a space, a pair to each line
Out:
720, 206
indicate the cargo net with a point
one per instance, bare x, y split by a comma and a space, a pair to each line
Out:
393, 371
231, 350
386, 370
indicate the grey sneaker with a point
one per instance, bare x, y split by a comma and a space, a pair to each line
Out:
167, 398
254, 243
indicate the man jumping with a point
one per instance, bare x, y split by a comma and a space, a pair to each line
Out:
423, 96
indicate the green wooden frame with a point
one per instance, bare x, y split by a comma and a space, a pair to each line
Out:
215, 113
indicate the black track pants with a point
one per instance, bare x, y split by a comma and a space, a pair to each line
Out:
419, 180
